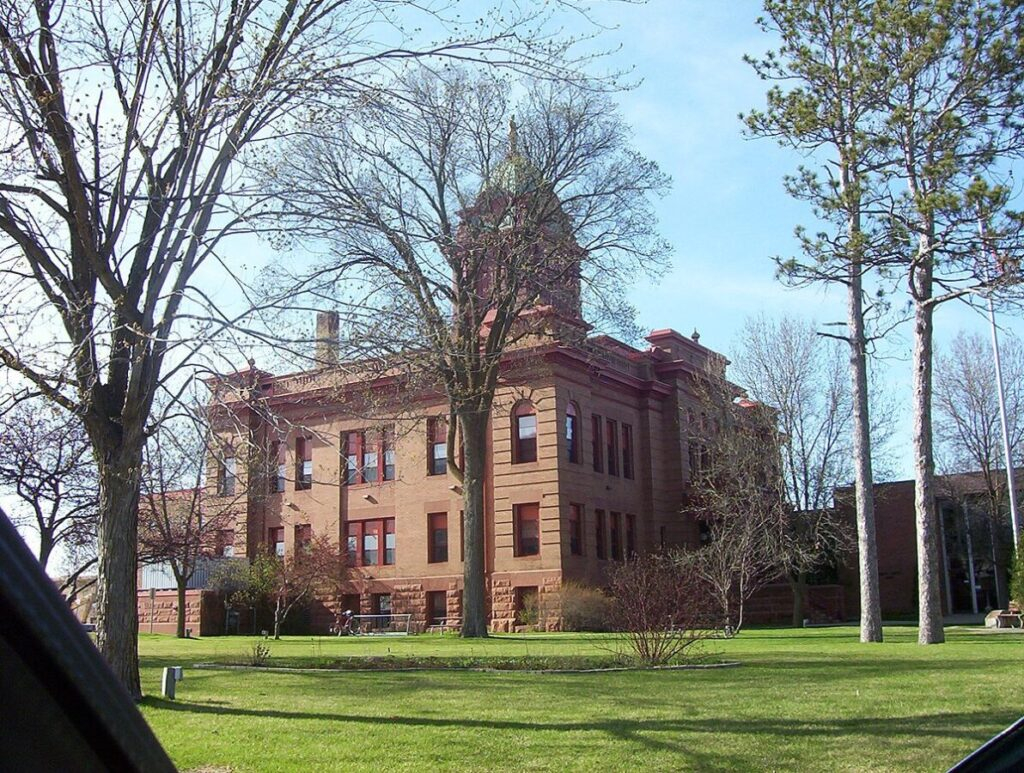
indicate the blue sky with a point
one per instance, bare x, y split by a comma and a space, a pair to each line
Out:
727, 213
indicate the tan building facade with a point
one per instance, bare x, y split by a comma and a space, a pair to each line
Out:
588, 463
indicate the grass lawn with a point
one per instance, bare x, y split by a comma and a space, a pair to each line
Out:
812, 699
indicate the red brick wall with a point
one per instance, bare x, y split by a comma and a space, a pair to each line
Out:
895, 536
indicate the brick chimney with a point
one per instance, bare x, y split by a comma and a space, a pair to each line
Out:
326, 338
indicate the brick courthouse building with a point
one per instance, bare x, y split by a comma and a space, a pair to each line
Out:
588, 459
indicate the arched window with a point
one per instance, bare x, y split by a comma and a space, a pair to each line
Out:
572, 432
524, 433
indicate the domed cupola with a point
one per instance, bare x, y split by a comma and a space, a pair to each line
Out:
516, 175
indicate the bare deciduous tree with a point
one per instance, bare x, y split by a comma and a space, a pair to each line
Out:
179, 517
120, 184
738, 496
968, 432
46, 465
452, 242
787, 365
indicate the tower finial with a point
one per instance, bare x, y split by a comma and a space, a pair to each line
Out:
513, 137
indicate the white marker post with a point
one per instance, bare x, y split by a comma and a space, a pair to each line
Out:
172, 675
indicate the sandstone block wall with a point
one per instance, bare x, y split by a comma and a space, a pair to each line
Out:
160, 615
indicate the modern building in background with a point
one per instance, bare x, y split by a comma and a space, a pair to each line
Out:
976, 546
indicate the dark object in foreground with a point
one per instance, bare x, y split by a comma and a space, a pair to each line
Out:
61, 708
1002, 754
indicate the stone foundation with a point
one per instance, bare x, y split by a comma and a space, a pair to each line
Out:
203, 612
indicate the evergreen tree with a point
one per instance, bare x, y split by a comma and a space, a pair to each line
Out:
833, 83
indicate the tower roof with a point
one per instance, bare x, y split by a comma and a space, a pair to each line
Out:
516, 174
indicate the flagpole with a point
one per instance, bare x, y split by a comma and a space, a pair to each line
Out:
1007, 455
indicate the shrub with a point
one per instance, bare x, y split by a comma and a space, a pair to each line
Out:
530, 613
663, 608
585, 608
260, 654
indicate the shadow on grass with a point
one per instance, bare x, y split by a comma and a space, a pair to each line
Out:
951, 725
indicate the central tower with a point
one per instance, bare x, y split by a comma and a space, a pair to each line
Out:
521, 238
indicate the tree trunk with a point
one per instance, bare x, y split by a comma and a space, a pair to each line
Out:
867, 547
929, 596
117, 620
799, 586
474, 591
277, 620
727, 627
182, 584
45, 548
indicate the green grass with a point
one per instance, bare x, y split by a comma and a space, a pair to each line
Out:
810, 699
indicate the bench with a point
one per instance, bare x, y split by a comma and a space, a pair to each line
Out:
445, 625
1010, 620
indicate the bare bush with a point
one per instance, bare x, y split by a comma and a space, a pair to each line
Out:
663, 608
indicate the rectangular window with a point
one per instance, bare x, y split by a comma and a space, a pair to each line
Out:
615, 524
525, 441
627, 451
276, 467
353, 536
630, 535
437, 538
526, 606
526, 529
576, 529
596, 443
613, 447
389, 541
364, 451
437, 446
226, 475
388, 452
370, 457
363, 542
437, 607
276, 536
602, 552
371, 543
226, 543
381, 604
303, 536
572, 434
303, 463
352, 445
